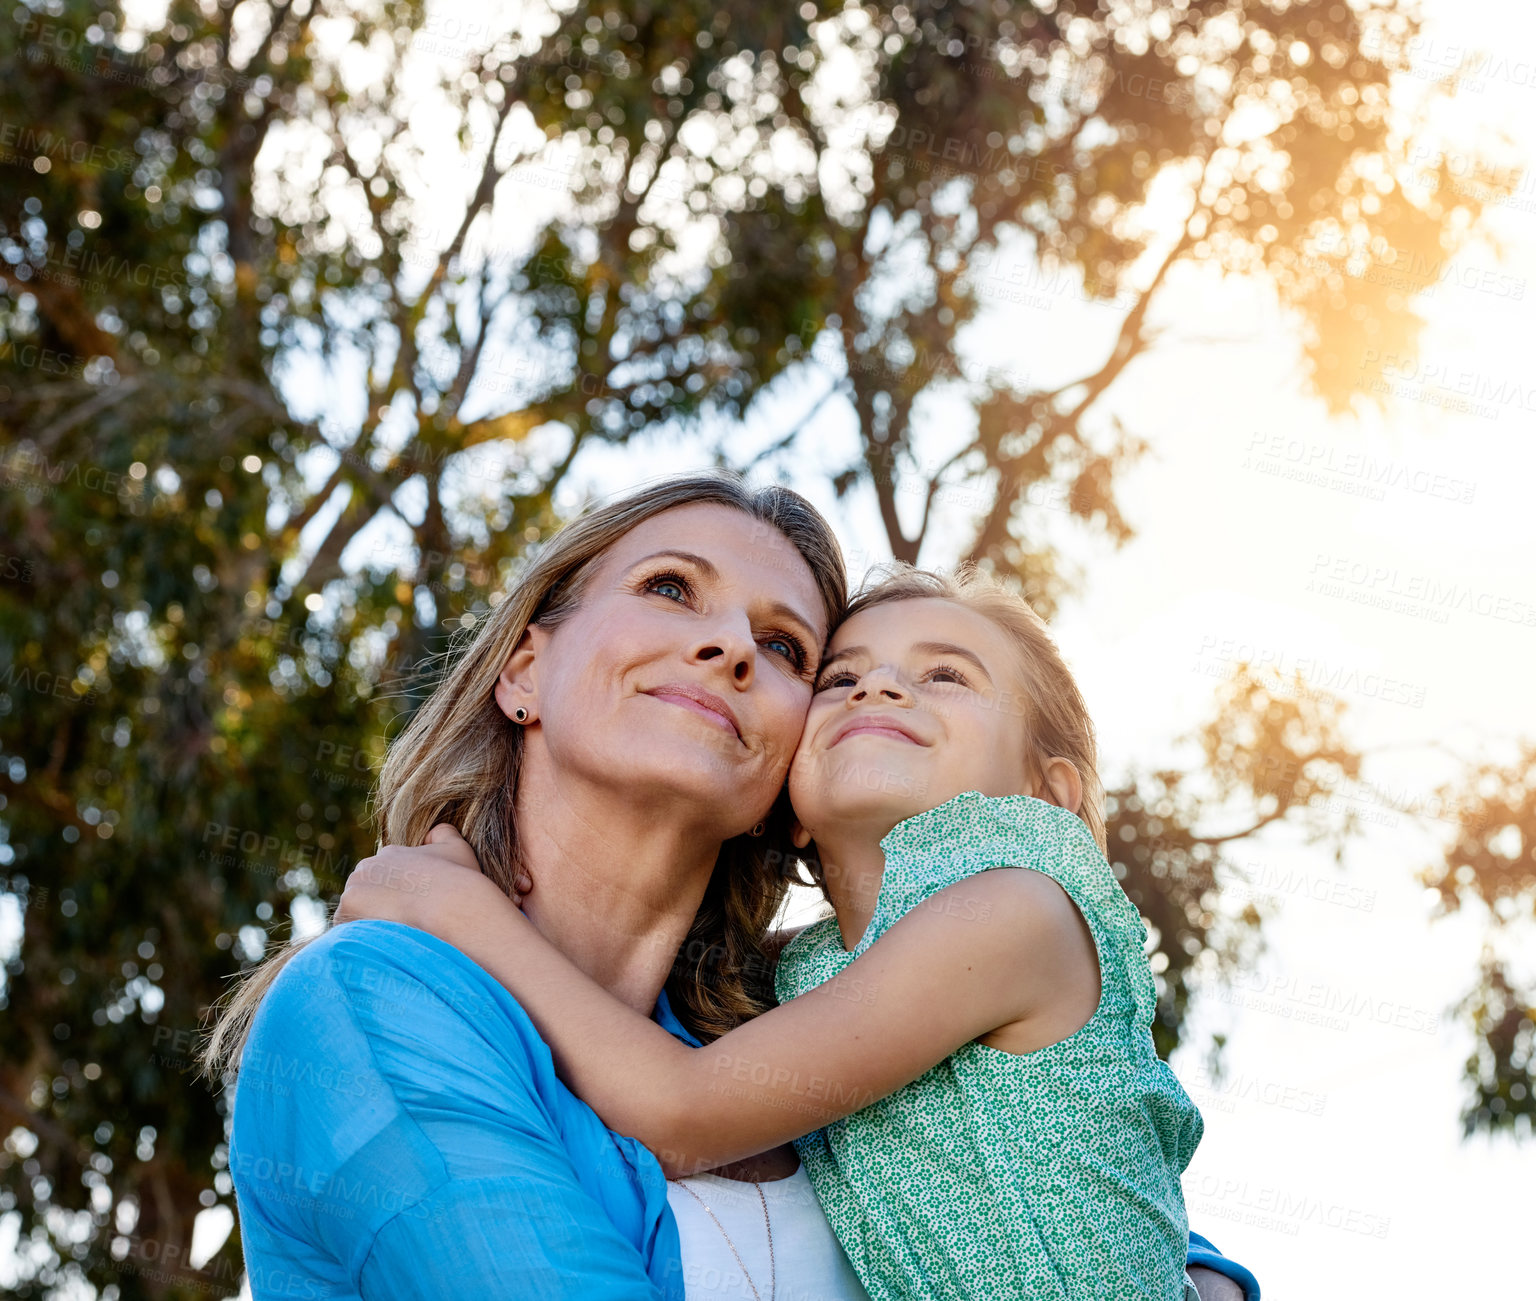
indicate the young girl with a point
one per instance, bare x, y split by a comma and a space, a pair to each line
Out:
962, 1055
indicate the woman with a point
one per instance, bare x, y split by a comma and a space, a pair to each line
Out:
618, 734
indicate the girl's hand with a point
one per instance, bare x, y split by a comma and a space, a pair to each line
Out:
433, 887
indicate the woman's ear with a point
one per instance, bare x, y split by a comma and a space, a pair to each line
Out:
1061, 784
516, 688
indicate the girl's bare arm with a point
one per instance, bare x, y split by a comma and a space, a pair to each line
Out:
988, 951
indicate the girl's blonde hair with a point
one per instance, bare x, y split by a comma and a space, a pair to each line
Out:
1056, 721
458, 760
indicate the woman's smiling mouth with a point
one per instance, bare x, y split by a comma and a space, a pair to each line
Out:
703, 703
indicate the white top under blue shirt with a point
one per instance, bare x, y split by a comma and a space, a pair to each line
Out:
400, 1135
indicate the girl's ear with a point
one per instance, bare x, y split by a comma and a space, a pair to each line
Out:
1061, 784
798, 835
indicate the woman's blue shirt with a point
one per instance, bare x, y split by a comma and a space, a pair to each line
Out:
399, 1131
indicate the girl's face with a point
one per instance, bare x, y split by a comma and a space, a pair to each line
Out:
917, 701
685, 675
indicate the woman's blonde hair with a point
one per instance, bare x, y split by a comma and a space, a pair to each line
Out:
458, 761
1056, 722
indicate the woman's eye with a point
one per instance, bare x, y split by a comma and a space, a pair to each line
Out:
661, 583
791, 649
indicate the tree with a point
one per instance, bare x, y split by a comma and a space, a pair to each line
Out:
294, 373
1490, 865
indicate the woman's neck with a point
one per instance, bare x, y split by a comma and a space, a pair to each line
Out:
615, 885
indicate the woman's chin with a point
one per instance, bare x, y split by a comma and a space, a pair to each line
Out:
680, 769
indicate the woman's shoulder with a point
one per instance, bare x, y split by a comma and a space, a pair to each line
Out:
370, 984
378, 967
379, 957
383, 1067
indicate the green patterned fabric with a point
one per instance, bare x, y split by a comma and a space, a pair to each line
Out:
1046, 1175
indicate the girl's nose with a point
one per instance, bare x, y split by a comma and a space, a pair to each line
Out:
882, 684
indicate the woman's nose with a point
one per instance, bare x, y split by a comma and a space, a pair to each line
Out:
729, 645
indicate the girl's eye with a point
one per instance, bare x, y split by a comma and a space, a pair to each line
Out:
949, 674
836, 678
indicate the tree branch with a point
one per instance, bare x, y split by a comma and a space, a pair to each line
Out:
782, 443
103, 401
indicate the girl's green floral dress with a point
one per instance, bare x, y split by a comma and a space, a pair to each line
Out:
1048, 1175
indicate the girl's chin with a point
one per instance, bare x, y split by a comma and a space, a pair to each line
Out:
855, 809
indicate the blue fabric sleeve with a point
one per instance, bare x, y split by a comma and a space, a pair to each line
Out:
528, 1237
1204, 1253
399, 1133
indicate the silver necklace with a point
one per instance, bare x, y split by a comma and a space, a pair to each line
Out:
773, 1272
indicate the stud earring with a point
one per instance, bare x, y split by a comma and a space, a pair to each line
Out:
520, 714
758, 829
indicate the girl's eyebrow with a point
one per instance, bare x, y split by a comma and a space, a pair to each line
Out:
921, 647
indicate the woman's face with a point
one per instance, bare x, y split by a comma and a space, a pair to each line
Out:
686, 672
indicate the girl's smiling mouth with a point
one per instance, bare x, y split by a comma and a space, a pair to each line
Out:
874, 727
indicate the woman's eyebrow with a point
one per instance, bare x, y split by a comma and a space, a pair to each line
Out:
708, 569
794, 616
